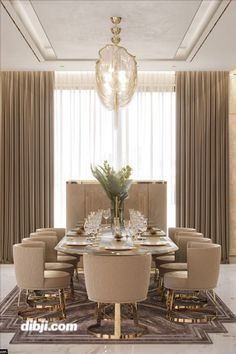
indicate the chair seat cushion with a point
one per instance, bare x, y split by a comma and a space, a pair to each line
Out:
176, 280
68, 259
172, 267
64, 254
64, 267
164, 259
54, 279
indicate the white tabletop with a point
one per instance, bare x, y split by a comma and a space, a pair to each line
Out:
105, 244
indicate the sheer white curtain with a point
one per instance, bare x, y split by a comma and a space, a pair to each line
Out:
85, 133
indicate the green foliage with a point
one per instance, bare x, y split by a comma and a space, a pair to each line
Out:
115, 184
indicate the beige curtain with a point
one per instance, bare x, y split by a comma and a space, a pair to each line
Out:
26, 156
202, 154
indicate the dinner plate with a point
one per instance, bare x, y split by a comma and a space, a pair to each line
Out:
152, 234
78, 244
158, 243
71, 233
77, 230
116, 248
156, 229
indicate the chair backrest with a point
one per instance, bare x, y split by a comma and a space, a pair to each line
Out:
203, 265
50, 244
174, 230
29, 265
182, 243
117, 279
45, 233
35, 243
60, 232
186, 233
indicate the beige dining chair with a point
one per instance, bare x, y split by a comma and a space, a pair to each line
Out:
62, 257
170, 258
51, 253
172, 231
203, 264
117, 279
49, 264
31, 274
180, 255
60, 232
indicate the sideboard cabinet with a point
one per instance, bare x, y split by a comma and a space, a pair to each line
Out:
149, 197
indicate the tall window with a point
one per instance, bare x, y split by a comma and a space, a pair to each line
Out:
85, 134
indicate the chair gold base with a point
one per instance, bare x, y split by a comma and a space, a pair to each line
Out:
96, 329
39, 304
173, 318
196, 305
192, 306
39, 315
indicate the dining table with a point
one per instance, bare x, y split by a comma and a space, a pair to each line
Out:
154, 242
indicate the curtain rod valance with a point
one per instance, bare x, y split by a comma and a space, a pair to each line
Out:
85, 80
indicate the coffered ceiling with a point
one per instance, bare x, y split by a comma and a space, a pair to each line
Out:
163, 35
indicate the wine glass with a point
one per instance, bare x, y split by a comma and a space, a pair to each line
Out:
127, 227
106, 214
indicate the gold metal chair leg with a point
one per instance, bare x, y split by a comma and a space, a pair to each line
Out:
27, 297
155, 273
62, 302
76, 272
117, 321
170, 301
135, 314
19, 295
99, 314
167, 297
72, 287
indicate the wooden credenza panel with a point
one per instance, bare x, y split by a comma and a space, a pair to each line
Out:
83, 197
138, 199
157, 196
95, 198
75, 204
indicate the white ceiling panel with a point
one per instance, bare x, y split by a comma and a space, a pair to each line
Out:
156, 32
150, 29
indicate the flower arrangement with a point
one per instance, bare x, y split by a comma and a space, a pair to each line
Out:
115, 184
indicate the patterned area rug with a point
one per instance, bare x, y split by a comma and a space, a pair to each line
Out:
152, 313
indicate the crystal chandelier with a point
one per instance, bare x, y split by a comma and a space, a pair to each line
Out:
116, 72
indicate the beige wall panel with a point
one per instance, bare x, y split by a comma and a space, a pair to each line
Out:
138, 199
83, 197
95, 198
75, 201
158, 204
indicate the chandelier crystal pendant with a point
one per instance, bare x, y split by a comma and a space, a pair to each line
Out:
116, 72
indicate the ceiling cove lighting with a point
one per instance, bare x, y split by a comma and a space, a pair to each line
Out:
31, 24
116, 73
205, 13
